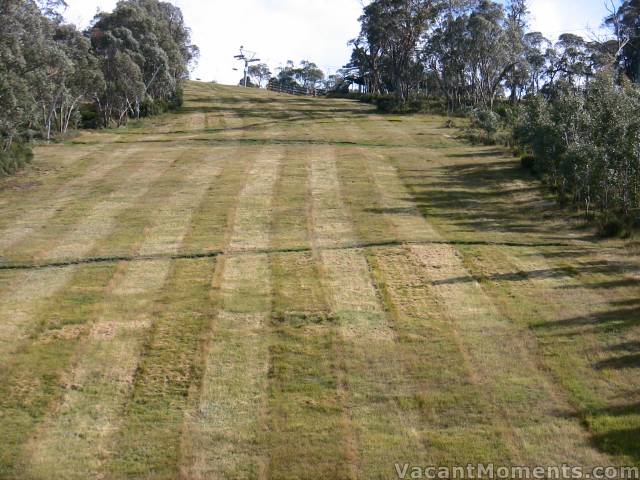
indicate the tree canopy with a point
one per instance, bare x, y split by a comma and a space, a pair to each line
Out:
130, 62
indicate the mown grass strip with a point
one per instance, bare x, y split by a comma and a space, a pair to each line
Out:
603, 400
222, 427
31, 379
380, 430
102, 218
61, 223
32, 290
187, 181
210, 223
305, 437
223, 423
74, 441
580, 330
148, 443
69, 171
423, 382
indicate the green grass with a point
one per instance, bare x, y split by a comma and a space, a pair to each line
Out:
476, 322
152, 425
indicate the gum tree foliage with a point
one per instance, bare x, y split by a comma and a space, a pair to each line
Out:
473, 52
307, 76
46, 70
625, 23
130, 63
386, 52
260, 74
587, 145
144, 51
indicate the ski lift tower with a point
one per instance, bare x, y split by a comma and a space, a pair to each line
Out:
248, 58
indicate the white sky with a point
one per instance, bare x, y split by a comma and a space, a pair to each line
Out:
316, 30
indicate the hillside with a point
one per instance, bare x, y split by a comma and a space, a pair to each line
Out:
267, 286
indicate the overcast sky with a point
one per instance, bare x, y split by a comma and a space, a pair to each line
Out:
317, 30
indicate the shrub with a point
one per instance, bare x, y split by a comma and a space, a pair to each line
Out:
586, 144
485, 120
415, 104
528, 162
390, 104
14, 159
150, 107
89, 116
613, 227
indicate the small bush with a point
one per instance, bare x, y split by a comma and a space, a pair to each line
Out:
478, 137
177, 100
613, 227
150, 107
485, 120
89, 116
389, 104
14, 159
368, 97
417, 104
528, 162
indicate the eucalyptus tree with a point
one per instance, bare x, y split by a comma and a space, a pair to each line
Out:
625, 23
308, 75
446, 53
131, 61
536, 47
46, 69
145, 53
260, 74
20, 22
367, 56
84, 82
286, 77
120, 62
518, 72
389, 43
569, 59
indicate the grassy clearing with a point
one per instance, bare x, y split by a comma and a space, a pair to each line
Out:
32, 289
40, 232
40, 200
441, 407
478, 325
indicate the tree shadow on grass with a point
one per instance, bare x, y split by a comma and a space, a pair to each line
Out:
495, 197
614, 320
620, 442
619, 363
561, 272
617, 431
